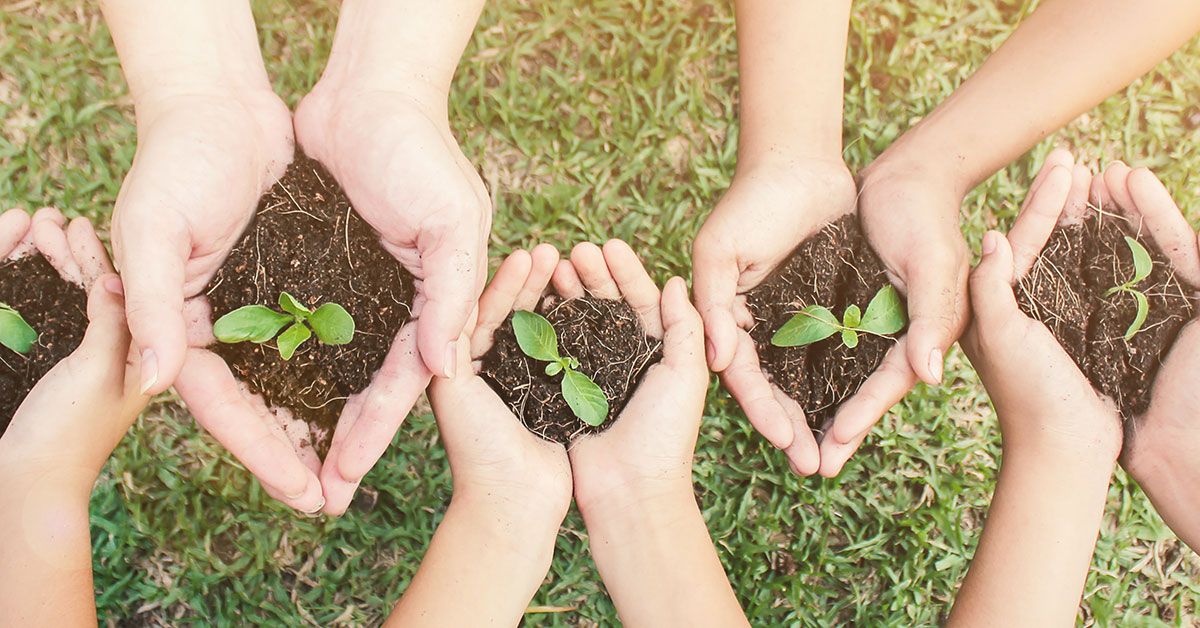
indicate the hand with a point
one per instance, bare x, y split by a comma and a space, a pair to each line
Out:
1161, 445
403, 171
201, 164
1045, 404
75, 416
766, 213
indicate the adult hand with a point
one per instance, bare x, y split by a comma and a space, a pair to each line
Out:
394, 154
1045, 404
1161, 445
766, 213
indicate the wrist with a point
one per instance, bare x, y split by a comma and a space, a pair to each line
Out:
518, 534
531, 515
911, 161
618, 499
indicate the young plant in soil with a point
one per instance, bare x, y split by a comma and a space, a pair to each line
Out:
885, 315
15, 333
537, 339
1142, 265
259, 323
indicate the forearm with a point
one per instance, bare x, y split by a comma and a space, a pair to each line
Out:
1032, 561
402, 44
1063, 60
791, 62
659, 564
484, 553
185, 46
46, 559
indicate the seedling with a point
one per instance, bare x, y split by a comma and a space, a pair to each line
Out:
258, 323
15, 333
537, 339
884, 315
1142, 265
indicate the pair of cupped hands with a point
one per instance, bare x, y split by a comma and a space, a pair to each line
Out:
82, 408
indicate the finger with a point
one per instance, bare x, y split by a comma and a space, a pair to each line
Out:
991, 283
451, 290
882, 390
497, 299
151, 258
683, 338
1038, 218
337, 491
635, 285
51, 241
14, 228
388, 399
87, 250
1166, 224
834, 455
1058, 158
106, 340
1101, 199
213, 397
545, 261
1077, 200
715, 280
566, 281
1116, 179
51, 215
745, 380
588, 261
936, 282
804, 456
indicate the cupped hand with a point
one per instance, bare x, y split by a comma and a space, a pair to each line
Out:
1162, 445
766, 213
492, 455
75, 416
202, 162
1045, 403
648, 450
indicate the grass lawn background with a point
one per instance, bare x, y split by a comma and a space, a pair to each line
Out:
590, 120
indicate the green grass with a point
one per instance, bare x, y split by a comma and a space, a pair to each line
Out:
607, 118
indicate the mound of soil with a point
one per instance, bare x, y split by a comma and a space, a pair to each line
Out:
1065, 291
610, 344
57, 311
307, 240
835, 268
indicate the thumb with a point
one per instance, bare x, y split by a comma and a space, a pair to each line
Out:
936, 283
683, 335
105, 344
991, 282
714, 279
152, 269
451, 289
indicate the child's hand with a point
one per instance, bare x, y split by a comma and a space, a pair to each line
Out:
1162, 445
1045, 404
75, 416
766, 213
492, 455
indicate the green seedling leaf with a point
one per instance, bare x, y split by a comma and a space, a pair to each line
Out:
292, 306
15, 333
809, 325
1142, 264
586, 399
554, 368
332, 324
1143, 308
535, 334
850, 338
852, 317
254, 323
885, 313
573, 363
291, 339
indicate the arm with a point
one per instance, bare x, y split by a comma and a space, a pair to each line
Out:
633, 483
790, 182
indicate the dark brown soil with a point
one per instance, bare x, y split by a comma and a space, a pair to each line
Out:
610, 344
835, 268
1065, 290
307, 240
55, 308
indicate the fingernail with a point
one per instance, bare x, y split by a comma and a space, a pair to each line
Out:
451, 359
149, 370
315, 511
113, 285
935, 365
989, 242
